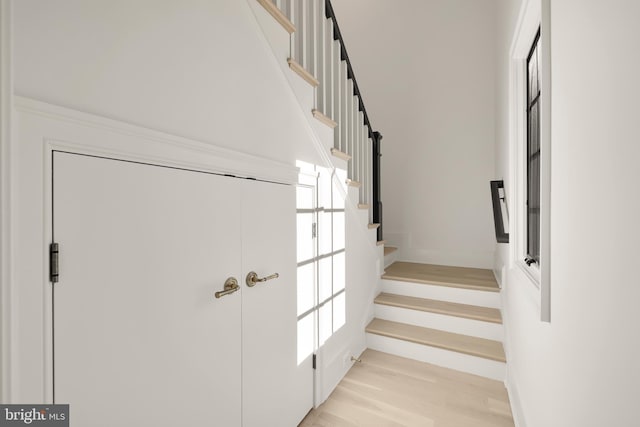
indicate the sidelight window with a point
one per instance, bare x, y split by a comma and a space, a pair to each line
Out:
533, 154
321, 256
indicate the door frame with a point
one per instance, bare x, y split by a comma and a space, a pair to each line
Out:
44, 128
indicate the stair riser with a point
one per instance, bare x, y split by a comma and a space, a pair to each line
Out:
391, 258
436, 356
458, 325
442, 293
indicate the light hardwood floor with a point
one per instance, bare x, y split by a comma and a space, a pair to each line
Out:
387, 390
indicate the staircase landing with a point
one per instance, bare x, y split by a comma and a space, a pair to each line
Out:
458, 277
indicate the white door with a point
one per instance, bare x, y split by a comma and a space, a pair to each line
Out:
139, 338
276, 391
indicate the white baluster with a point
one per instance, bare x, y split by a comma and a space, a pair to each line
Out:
353, 128
356, 151
338, 90
363, 157
328, 66
320, 57
350, 127
292, 14
303, 6
344, 112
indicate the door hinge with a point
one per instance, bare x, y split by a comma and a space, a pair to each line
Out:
314, 361
54, 266
314, 230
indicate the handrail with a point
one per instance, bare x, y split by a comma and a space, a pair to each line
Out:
337, 35
502, 236
376, 137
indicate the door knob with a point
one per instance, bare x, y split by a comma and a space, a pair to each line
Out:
252, 278
230, 286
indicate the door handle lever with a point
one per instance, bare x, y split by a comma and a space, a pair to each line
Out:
230, 286
253, 279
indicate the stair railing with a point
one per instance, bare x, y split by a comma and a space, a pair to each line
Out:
318, 47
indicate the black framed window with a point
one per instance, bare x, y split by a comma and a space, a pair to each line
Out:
533, 153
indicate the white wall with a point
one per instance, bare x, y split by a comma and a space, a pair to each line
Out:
193, 68
582, 368
197, 69
426, 69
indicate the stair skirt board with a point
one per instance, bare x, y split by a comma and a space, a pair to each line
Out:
442, 293
443, 322
449, 359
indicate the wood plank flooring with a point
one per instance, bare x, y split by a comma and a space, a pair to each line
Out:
484, 314
460, 277
387, 390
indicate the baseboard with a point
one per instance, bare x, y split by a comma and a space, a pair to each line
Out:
514, 399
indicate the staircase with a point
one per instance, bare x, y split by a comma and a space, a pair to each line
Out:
447, 316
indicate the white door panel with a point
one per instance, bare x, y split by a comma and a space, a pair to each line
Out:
276, 391
139, 337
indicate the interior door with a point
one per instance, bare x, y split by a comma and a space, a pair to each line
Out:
276, 390
139, 338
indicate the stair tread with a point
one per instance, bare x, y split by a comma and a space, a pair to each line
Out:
466, 311
339, 154
374, 225
323, 118
302, 72
474, 346
443, 275
389, 249
278, 15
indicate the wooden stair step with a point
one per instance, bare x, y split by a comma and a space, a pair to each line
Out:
278, 15
484, 314
352, 183
339, 154
363, 206
389, 250
323, 118
372, 226
299, 70
479, 347
442, 275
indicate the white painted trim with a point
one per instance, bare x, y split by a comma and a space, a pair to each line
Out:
545, 161
194, 155
531, 17
7, 324
514, 399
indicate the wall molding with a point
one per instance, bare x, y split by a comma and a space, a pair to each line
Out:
159, 147
6, 205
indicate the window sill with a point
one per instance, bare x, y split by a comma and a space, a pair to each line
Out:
531, 272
